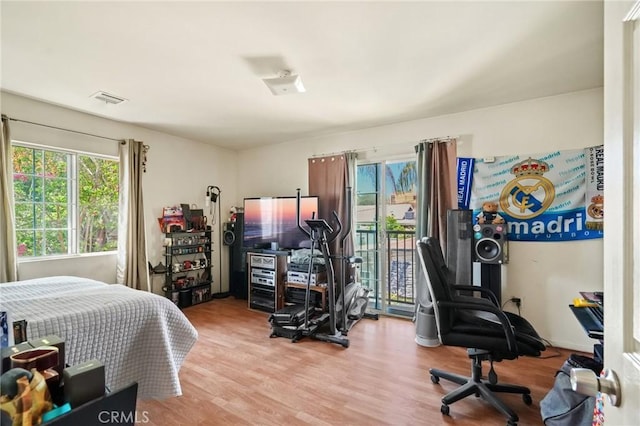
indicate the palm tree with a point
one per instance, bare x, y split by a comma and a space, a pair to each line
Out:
408, 177
391, 177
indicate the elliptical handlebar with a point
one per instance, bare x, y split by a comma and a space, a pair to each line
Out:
347, 229
298, 215
335, 234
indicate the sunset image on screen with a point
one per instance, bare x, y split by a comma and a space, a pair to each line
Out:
269, 220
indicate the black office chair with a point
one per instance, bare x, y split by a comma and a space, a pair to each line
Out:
480, 325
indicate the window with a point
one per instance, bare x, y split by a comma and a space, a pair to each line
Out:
65, 202
385, 233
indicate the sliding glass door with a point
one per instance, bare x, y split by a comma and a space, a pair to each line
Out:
385, 233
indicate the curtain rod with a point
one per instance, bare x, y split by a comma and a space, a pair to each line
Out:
440, 139
63, 129
375, 148
334, 153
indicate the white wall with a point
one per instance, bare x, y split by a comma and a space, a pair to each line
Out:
178, 171
546, 276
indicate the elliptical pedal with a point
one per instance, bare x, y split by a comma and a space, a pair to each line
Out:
292, 315
358, 308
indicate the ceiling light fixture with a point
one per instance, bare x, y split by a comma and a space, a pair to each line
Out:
108, 98
285, 84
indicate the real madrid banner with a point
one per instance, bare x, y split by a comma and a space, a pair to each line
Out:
557, 196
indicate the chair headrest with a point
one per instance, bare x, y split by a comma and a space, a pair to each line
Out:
437, 269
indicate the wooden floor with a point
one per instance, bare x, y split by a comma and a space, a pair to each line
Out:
237, 375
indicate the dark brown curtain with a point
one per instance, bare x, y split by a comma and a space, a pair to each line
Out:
329, 178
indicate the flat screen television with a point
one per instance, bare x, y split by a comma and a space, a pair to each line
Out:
273, 219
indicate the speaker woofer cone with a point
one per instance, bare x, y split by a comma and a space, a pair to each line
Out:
487, 231
228, 237
488, 249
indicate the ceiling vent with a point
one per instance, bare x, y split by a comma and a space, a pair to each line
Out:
285, 84
108, 98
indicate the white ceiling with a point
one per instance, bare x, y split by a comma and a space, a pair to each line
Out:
194, 69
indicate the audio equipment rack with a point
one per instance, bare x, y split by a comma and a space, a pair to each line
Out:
266, 276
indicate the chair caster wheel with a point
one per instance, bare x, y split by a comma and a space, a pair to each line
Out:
444, 409
435, 379
492, 376
512, 423
527, 399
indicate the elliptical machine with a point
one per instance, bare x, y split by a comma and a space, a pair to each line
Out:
343, 312
319, 235
296, 321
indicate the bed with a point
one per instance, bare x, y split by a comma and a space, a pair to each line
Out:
139, 336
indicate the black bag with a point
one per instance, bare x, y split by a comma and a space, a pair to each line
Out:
561, 405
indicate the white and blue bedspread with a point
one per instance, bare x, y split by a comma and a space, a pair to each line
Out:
139, 336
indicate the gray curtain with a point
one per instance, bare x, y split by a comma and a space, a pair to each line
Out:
352, 164
8, 262
132, 269
436, 194
436, 188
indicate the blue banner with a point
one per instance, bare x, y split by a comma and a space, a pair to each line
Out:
554, 196
465, 179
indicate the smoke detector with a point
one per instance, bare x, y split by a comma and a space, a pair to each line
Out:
285, 84
108, 98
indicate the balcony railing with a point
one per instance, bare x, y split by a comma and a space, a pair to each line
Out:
400, 266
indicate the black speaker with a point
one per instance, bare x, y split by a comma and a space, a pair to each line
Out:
228, 234
491, 278
460, 246
490, 244
232, 237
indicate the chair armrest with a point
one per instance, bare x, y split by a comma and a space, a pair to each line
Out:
486, 291
504, 321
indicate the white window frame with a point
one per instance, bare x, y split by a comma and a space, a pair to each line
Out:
72, 201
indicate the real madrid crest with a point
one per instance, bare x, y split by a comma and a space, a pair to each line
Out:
595, 211
530, 193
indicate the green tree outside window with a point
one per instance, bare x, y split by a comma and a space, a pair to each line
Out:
65, 203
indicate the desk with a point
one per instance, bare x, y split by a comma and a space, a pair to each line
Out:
322, 289
591, 320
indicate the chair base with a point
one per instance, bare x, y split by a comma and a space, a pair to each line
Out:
476, 385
